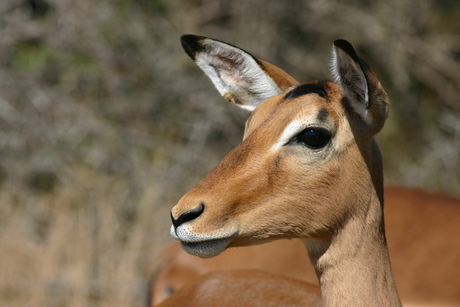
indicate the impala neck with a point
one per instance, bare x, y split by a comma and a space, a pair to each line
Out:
354, 268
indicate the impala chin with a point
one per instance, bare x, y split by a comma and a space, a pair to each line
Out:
206, 249
204, 246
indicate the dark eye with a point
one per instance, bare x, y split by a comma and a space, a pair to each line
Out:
314, 138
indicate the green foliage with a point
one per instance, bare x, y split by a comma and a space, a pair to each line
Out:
42, 181
32, 55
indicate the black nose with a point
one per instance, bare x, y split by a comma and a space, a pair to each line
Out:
187, 215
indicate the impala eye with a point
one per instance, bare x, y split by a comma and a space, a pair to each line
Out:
314, 138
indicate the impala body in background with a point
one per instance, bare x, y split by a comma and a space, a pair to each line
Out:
308, 168
417, 222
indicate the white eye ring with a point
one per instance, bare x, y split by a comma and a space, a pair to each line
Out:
289, 132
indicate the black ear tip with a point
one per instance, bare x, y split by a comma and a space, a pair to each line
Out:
191, 44
342, 43
189, 38
347, 48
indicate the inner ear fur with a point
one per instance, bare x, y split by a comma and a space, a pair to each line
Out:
361, 87
241, 78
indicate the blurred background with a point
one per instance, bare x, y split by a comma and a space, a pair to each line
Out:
105, 122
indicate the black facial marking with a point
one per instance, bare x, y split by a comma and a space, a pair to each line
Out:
322, 115
308, 88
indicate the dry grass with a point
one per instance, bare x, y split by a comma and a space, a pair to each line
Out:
104, 122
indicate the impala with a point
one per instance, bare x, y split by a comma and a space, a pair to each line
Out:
308, 167
248, 288
416, 223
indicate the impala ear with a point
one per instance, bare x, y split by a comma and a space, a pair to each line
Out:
362, 89
238, 76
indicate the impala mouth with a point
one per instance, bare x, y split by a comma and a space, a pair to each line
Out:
204, 246
206, 249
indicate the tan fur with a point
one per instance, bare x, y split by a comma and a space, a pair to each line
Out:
269, 188
245, 289
281, 78
417, 222
285, 257
264, 189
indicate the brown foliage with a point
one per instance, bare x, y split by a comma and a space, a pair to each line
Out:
105, 122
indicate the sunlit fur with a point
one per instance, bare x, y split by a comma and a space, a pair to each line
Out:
330, 197
266, 179
415, 220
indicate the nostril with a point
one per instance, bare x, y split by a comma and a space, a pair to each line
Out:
188, 215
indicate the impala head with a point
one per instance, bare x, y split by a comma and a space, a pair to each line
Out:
307, 163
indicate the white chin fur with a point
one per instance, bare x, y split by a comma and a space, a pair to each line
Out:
172, 232
185, 233
204, 246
